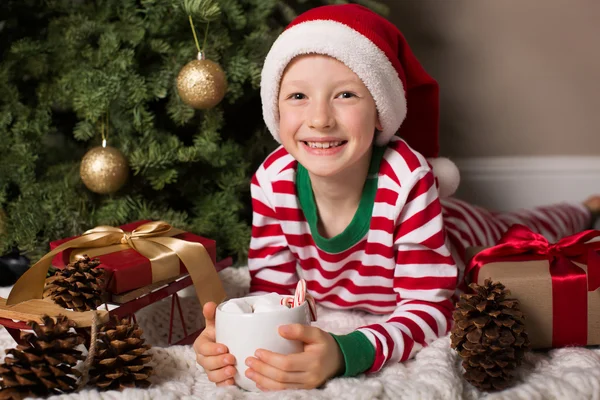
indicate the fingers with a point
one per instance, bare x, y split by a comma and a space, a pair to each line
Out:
216, 362
206, 337
208, 334
208, 349
209, 310
221, 375
295, 362
263, 373
214, 357
304, 333
227, 382
264, 383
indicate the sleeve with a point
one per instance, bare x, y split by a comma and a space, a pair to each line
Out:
425, 278
271, 263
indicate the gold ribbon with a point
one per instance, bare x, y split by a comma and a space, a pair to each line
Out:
152, 240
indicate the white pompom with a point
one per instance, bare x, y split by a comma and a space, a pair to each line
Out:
447, 174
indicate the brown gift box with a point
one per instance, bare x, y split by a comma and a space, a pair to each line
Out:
531, 283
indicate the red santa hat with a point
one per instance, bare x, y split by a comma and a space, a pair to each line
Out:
406, 96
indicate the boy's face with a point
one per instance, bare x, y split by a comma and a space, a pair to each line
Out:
327, 116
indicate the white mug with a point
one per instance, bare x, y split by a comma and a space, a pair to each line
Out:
243, 334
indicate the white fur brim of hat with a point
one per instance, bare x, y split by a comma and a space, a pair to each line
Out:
345, 44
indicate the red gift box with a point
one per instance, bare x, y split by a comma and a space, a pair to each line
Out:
127, 269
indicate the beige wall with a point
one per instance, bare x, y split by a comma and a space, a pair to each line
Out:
517, 77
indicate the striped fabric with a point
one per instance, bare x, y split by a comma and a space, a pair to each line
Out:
467, 225
406, 264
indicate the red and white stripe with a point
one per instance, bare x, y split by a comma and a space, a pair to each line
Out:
401, 267
405, 266
300, 294
468, 225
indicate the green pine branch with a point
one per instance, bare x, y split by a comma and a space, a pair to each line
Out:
72, 69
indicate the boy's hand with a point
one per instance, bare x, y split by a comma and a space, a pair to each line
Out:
321, 360
214, 357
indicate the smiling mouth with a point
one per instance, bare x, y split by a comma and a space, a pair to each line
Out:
325, 145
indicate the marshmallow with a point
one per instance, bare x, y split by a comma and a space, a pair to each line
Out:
262, 308
267, 303
255, 304
237, 306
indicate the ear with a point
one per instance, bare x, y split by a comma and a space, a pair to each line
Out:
378, 125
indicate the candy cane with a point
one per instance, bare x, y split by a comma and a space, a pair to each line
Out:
300, 294
312, 307
287, 301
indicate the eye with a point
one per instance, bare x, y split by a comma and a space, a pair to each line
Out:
297, 96
346, 95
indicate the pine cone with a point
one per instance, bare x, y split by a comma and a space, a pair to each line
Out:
121, 358
489, 335
43, 364
79, 286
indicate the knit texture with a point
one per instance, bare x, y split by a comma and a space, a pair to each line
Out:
570, 373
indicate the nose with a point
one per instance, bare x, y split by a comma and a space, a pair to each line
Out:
321, 115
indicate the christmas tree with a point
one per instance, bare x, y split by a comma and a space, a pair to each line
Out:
73, 71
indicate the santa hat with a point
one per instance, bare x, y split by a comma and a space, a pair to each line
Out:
405, 95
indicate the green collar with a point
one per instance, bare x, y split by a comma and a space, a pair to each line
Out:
359, 226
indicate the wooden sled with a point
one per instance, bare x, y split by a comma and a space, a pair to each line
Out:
14, 318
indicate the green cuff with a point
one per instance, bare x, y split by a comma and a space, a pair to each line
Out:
359, 353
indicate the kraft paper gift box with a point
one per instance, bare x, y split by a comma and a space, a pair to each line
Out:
557, 285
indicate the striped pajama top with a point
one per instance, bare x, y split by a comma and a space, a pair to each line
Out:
392, 259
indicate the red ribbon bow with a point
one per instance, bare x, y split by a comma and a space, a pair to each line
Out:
570, 283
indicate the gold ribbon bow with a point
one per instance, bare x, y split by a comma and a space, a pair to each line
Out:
153, 240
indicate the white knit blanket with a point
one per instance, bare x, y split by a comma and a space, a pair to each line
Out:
570, 373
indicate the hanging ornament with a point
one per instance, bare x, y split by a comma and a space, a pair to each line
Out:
12, 265
104, 169
201, 83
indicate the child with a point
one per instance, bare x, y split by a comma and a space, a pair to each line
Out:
351, 207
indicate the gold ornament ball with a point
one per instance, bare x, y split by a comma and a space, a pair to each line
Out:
104, 169
201, 84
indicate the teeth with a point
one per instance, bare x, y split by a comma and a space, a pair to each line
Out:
323, 145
